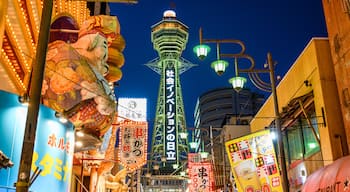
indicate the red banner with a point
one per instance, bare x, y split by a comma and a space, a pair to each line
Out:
133, 144
201, 174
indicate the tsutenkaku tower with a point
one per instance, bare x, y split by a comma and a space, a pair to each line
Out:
169, 38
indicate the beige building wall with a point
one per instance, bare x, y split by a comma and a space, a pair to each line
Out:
235, 131
314, 65
337, 15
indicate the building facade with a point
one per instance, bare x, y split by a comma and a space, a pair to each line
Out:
311, 116
337, 14
220, 115
215, 107
220, 107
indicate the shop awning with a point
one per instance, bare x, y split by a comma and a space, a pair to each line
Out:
334, 177
294, 108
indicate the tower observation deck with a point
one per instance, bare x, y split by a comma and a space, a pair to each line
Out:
169, 38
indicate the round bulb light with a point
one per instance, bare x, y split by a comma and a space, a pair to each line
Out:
148, 175
204, 154
183, 135
175, 166
193, 145
156, 167
163, 159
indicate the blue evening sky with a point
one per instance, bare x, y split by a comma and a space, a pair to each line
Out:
282, 27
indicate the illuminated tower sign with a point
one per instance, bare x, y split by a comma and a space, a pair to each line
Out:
169, 37
170, 106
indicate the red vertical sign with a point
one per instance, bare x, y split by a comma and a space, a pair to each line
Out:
133, 144
201, 174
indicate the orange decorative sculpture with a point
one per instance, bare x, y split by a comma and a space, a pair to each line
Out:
78, 74
75, 82
117, 182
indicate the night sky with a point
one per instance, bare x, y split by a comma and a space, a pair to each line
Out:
283, 28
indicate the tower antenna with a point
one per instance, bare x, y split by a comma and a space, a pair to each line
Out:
172, 5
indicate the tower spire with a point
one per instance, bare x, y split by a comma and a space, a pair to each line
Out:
169, 38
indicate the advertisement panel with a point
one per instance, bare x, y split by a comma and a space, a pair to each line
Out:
200, 173
253, 163
134, 109
171, 113
133, 144
53, 148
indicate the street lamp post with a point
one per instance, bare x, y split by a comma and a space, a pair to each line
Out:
238, 83
24, 179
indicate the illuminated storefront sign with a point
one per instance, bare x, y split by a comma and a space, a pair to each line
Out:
132, 109
170, 110
53, 149
254, 163
201, 174
133, 144
3, 7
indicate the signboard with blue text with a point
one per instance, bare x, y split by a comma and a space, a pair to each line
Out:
53, 150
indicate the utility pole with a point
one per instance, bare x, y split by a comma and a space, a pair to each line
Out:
38, 67
281, 156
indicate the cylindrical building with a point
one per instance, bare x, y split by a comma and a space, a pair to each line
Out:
215, 107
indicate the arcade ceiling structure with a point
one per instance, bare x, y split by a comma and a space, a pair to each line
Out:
21, 34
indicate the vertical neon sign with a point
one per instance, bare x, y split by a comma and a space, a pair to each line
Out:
170, 107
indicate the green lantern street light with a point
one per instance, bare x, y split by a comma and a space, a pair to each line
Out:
201, 51
219, 66
238, 83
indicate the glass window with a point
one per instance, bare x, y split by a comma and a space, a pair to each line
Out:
299, 140
295, 143
311, 144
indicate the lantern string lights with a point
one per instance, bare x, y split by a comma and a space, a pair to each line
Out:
220, 65
238, 84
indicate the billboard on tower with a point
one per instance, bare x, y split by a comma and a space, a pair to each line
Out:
170, 110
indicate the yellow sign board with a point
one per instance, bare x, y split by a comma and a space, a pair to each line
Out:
254, 164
